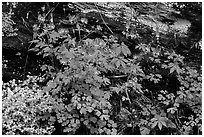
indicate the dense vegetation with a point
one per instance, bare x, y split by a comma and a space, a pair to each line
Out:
101, 68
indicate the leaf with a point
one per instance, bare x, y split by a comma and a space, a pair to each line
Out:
163, 120
35, 49
166, 102
125, 50
115, 89
114, 131
46, 49
90, 109
93, 130
54, 35
161, 97
144, 130
118, 51
123, 64
77, 121
67, 129
95, 91
176, 105
34, 41
106, 81
52, 119
43, 67
153, 119
158, 75
154, 124
93, 119
105, 111
172, 70
108, 131
79, 106
100, 130
86, 122
98, 113
118, 63
172, 110
170, 124
101, 123
160, 125
105, 117
83, 110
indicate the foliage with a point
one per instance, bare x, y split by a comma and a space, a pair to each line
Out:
7, 22
25, 109
100, 80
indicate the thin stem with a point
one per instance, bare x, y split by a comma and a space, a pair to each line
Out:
26, 61
103, 20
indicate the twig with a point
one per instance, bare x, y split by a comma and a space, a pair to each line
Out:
120, 76
85, 36
51, 10
127, 95
26, 61
103, 20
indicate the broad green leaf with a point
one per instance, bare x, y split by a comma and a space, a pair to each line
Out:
118, 51
160, 125
162, 120
154, 119
125, 50
154, 124
144, 130
118, 62
172, 70
170, 124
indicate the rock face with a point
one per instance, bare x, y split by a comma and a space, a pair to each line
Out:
179, 25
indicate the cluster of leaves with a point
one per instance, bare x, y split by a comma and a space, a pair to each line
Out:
83, 72
7, 22
80, 80
104, 85
24, 108
175, 91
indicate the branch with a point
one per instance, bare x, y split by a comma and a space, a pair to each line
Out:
103, 19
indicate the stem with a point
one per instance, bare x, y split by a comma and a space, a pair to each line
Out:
26, 61
127, 95
103, 20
